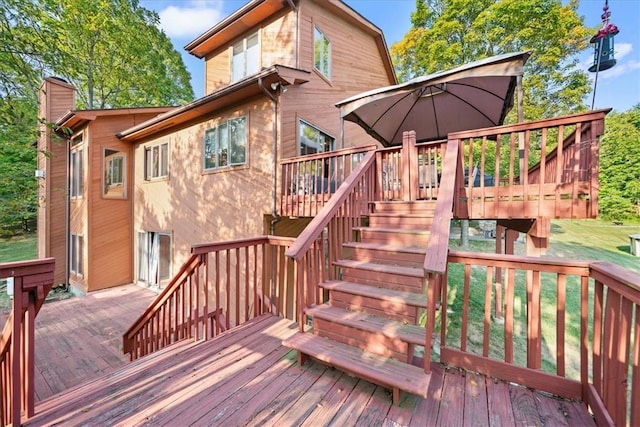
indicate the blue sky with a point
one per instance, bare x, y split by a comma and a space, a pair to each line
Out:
618, 87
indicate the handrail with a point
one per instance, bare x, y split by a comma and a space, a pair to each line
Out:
328, 154
435, 260
571, 119
217, 288
605, 373
32, 281
320, 221
186, 270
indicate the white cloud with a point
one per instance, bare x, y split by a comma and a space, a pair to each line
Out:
622, 50
190, 19
620, 69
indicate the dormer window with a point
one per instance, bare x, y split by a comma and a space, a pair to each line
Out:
321, 53
246, 57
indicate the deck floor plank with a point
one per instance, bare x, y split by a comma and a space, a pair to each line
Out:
245, 377
476, 411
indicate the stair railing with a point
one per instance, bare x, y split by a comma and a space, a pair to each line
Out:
337, 218
220, 286
32, 281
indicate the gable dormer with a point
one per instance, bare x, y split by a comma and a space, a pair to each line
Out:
257, 36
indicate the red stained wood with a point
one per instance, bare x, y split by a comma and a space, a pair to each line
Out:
525, 410
475, 400
452, 391
499, 403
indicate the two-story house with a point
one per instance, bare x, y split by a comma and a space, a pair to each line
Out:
208, 170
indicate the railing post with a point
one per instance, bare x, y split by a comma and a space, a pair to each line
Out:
409, 166
16, 359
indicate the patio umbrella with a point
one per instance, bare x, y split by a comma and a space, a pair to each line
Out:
473, 96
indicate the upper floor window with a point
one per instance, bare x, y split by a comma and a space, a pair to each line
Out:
156, 161
313, 140
226, 144
246, 57
321, 53
76, 167
114, 163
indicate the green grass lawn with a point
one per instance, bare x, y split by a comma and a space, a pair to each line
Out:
18, 248
583, 240
15, 249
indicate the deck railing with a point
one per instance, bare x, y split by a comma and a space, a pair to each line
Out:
32, 281
337, 219
220, 286
307, 182
532, 345
503, 168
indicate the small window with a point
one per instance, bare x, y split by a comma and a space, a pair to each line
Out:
77, 181
226, 144
312, 140
245, 59
114, 164
156, 161
75, 254
321, 53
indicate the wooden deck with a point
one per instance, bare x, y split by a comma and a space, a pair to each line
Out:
79, 339
246, 377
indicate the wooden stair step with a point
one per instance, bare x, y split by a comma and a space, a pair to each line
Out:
404, 206
394, 230
399, 297
420, 250
398, 270
368, 366
412, 334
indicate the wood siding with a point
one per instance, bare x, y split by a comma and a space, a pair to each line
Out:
203, 207
277, 41
56, 97
356, 66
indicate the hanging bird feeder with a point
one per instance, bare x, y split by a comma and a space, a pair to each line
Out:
603, 56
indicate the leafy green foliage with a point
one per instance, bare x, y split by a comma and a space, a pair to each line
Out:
113, 53
449, 33
620, 165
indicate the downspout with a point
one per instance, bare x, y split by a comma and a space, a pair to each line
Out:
274, 193
67, 218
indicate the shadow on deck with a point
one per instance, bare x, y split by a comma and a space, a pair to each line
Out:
246, 377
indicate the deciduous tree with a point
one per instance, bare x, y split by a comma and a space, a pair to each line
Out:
449, 33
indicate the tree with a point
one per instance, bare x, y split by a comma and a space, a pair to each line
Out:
113, 53
449, 33
620, 166
111, 50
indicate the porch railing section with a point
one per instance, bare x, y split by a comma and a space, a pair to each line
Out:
307, 182
546, 168
336, 220
32, 281
220, 286
532, 345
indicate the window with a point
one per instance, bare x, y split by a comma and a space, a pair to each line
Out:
77, 183
156, 161
114, 164
321, 53
245, 60
313, 140
75, 254
154, 258
226, 144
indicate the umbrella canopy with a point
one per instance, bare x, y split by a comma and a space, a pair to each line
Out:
473, 96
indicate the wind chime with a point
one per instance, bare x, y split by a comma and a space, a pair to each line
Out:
603, 55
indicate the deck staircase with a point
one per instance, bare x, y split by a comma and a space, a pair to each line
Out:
369, 324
